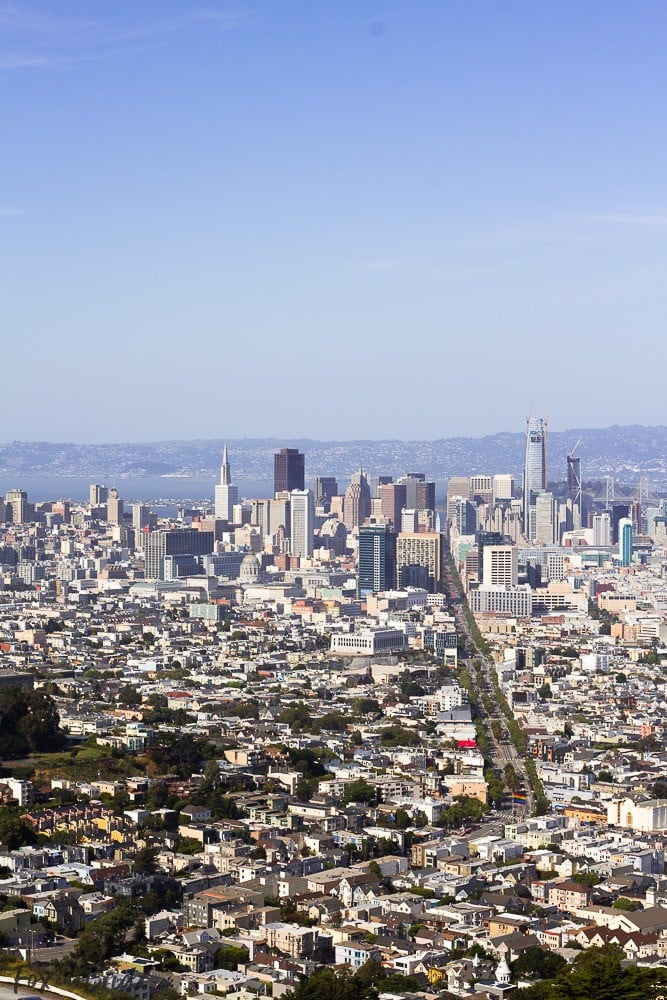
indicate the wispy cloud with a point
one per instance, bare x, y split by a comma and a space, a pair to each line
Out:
50, 39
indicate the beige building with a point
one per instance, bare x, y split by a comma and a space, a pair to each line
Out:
419, 560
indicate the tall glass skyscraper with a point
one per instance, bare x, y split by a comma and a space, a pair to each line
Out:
534, 471
377, 559
625, 541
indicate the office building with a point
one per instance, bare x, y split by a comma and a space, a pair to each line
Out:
409, 520
141, 516
534, 472
357, 504
17, 507
462, 513
481, 489
514, 601
302, 523
419, 560
173, 542
503, 487
392, 502
602, 528
97, 495
458, 486
546, 519
625, 541
500, 565
618, 512
484, 538
377, 559
226, 494
114, 507
419, 495
325, 488
288, 470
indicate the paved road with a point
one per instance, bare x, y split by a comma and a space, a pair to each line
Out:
503, 751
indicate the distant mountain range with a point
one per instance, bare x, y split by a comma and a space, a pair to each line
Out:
624, 452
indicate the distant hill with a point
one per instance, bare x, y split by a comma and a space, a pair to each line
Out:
625, 452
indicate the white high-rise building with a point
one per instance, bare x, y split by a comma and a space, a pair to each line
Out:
534, 472
226, 495
503, 487
302, 518
546, 519
602, 528
501, 565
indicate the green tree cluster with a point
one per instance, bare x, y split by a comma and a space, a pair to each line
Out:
599, 974
29, 723
364, 984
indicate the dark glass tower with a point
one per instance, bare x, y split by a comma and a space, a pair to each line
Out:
377, 559
288, 470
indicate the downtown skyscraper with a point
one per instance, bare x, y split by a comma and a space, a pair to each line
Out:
226, 495
534, 472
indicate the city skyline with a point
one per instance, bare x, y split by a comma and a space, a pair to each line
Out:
330, 184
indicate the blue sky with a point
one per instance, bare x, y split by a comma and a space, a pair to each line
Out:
330, 219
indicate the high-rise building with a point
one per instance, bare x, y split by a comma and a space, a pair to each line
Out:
574, 488
419, 495
226, 495
546, 519
419, 560
484, 538
534, 471
409, 520
501, 566
114, 507
357, 505
173, 542
503, 487
618, 512
377, 559
97, 495
17, 502
392, 501
625, 541
288, 470
458, 486
463, 513
326, 487
425, 496
302, 523
602, 528
141, 516
481, 489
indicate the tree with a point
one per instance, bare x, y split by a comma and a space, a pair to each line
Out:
145, 860
14, 831
359, 791
29, 723
623, 903
589, 879
597, 974
230, 956
128, 695
537, 963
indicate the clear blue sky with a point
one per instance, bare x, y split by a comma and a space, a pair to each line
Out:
331, 219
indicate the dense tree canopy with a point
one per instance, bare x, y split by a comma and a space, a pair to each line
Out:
29, 723
598, 974
364, 984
